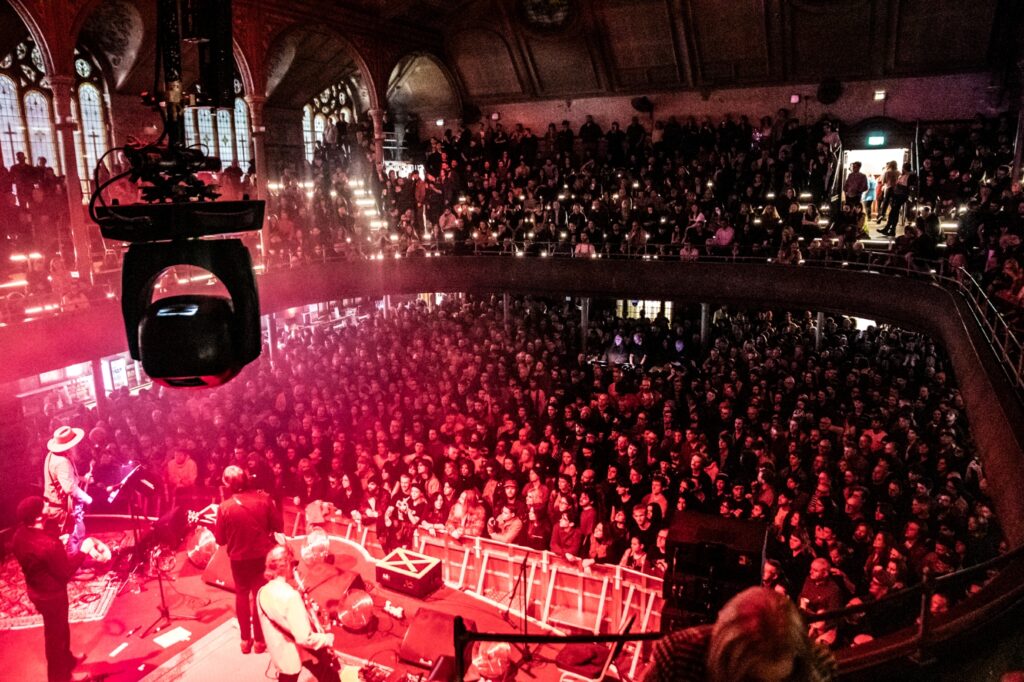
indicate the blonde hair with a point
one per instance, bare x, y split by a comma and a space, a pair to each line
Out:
757, 626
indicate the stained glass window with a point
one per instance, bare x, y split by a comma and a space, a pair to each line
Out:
225, 138
307, 132
243, 139
12, 138
204, 119
337, 102
190, 128
319, 126
94, 132
40, 127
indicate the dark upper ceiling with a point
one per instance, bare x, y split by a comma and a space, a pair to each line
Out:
502, 50
508, 49
303, 62
12, 30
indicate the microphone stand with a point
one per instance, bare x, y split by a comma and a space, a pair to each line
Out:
525, 655
166, 617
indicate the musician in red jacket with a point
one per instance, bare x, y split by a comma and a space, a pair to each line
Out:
246, 523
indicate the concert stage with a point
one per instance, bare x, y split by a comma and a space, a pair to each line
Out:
212, 650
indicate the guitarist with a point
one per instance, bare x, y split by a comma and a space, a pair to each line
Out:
63, 488
286, 623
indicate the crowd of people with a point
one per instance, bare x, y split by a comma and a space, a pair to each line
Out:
856, 453
684, 188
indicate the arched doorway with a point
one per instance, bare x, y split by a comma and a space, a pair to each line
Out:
421, 91
318, 86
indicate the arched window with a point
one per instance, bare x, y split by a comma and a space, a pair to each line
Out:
204, 124
225, 133
243, 139
12, 138
307, 132
94, 132
40, 127
335, 103
26, 111
190, 128
225, 137
91, 110
319, 126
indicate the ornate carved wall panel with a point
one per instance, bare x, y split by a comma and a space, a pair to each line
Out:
484, 63
640, 42
730, 38
941, 35
116, 29
826, 38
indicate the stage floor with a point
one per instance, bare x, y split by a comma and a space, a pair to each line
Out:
212, 652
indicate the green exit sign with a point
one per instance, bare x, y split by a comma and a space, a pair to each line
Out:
876, 140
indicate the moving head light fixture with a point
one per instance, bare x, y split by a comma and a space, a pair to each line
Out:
185, 340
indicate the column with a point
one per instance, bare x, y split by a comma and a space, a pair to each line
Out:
273, 336
66, 126
259, 157
705, 326
1018, 142
584, 321
378, 135
505, 302
97, 387
819, 329
387, 306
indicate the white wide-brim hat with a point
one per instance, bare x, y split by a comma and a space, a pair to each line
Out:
65, 438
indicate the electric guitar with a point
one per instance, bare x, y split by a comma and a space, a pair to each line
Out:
65, 518
326, 656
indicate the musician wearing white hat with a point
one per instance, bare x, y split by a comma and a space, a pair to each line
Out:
63, 489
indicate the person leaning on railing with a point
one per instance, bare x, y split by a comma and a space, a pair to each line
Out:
468, 516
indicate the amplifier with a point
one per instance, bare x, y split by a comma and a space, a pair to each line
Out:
410, 573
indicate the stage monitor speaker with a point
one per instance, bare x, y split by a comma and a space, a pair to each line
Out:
328, 585
431, 636
730, 547
711, 558
218, 571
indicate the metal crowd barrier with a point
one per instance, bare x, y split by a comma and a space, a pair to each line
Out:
559, 593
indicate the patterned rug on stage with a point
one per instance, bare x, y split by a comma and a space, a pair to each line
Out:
90, 594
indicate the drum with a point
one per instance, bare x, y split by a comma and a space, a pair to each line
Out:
201, 547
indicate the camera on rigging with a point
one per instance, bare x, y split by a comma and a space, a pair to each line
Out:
185, 340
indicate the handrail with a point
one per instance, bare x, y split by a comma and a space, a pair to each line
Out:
1005, 344
936, 582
